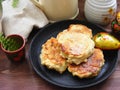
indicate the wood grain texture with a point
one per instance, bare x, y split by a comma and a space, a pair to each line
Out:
21, 76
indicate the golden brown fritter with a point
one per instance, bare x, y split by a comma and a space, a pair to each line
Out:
50, 56
81, 28
75, 46
90, 68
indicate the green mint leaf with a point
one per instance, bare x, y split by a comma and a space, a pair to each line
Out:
1, 1
15, 3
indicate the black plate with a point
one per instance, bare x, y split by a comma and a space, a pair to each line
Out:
66, 79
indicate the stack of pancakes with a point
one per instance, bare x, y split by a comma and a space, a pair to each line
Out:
74, 49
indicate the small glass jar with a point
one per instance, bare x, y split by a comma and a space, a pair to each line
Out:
100, 11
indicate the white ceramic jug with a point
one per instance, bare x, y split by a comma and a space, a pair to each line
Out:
56, 10
100, 11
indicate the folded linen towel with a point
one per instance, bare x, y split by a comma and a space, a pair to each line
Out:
21, 19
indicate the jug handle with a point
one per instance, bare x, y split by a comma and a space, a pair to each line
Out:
37, 3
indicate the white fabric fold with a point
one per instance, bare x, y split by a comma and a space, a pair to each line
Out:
21, 19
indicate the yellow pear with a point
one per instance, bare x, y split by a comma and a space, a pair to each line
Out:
106, 41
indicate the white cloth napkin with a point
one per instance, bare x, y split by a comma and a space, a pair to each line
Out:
21, 19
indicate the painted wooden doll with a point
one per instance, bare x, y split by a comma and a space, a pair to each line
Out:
116, 24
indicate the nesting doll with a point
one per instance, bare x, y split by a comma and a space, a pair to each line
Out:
116, 24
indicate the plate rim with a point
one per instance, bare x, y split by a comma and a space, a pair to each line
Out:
64, 86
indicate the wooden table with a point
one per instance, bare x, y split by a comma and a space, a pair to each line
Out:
21, 76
